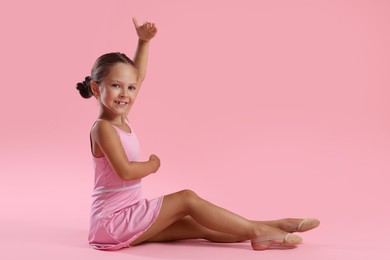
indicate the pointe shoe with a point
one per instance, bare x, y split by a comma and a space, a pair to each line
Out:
289, 241
307, 224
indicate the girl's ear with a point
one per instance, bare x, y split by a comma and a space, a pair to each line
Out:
95, 88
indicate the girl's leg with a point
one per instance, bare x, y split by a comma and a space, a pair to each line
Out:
188, 228
178, 205
293, 224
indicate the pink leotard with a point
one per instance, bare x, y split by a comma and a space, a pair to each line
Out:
119, 213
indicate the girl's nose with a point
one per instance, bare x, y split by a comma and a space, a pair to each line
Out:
123, 93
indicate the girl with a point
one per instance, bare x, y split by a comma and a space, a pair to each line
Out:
120, 217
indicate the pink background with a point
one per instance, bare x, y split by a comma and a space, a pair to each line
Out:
268, 108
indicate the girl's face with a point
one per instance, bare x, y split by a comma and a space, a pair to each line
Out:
118, 89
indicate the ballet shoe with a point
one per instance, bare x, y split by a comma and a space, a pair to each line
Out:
289, 241
307, 224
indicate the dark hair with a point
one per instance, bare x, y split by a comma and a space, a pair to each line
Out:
99, 70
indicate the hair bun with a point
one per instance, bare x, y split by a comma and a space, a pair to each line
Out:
85, 87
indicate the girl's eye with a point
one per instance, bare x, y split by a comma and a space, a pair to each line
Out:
115, 85
131, 88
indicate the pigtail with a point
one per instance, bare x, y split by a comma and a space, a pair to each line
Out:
85, 88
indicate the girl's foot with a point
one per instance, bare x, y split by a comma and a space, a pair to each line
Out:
276, 238
307, 224
294, 224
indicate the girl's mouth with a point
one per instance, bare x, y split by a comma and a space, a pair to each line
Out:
121, 103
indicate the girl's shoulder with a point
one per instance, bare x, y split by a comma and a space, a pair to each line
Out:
102, 127
101, 123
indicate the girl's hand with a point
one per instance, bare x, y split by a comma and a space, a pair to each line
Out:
145, 32
155, 161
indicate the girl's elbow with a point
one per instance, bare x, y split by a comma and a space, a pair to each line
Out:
127, 176
123, 173
141, 78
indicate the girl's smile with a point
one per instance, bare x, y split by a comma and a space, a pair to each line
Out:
121, 103
118, 89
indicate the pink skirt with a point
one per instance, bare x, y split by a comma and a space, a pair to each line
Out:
117, 230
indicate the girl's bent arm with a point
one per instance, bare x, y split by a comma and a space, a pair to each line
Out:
104, 134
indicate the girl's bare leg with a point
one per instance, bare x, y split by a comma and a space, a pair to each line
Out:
178, 205
287, 224
188, 228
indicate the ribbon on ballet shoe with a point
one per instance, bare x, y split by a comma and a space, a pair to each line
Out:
287, 242
292, 240
307, 224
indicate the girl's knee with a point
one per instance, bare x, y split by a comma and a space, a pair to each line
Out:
188, 194
187, 200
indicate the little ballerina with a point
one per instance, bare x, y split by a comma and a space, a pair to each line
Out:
120, 216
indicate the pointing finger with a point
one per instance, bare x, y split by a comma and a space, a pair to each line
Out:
135, 22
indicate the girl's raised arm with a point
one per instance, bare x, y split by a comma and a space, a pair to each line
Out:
145, 32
